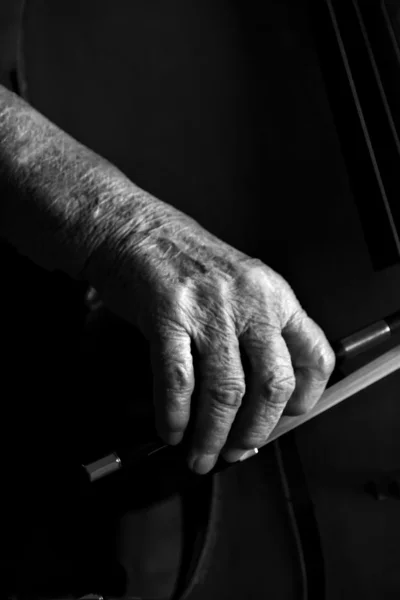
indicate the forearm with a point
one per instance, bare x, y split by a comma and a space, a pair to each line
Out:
58, 199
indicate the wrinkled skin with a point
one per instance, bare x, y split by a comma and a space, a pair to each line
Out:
224, 329
208, 311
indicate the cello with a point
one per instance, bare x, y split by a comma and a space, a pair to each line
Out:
343, 303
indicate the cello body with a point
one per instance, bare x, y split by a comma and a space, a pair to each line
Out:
229, 115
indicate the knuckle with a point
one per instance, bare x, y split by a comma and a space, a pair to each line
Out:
259, 273
255, 275
324, 362
327, 361
278, 387
222, 288
226, 396
178, 378
268, 294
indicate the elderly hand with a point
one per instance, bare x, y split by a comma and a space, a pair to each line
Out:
231, 346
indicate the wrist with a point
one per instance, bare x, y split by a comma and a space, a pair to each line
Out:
58, 200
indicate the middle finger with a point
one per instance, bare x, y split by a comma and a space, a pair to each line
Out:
219, 395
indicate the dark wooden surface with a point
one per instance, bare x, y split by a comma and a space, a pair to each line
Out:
220, 109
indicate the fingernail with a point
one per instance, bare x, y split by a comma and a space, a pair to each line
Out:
202, 464
173, 438
238, 455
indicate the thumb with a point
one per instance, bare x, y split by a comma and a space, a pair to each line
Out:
313, 361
